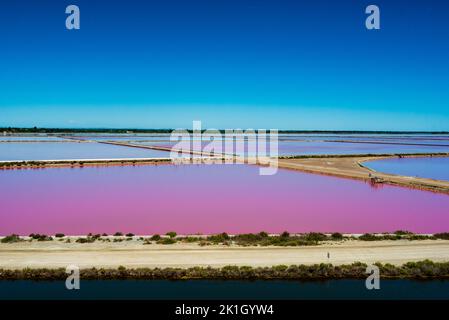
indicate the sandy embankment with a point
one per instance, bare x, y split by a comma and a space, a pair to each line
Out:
353, 168
134, 254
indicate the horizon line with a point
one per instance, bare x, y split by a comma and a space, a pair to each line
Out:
143, 130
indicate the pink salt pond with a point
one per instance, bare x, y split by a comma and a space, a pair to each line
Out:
207, 199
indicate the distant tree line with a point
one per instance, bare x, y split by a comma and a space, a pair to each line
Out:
167, 130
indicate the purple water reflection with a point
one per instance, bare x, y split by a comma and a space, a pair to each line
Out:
207, 199
434, 168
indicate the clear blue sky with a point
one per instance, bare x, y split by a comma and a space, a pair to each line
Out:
230, 63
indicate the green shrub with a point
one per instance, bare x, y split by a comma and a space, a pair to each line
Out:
40, 237
402, 232
420, 237
315, 236
444, 235
413, 270
171, 234
337, 236
167, 241
219, 238
11, 239
118, 234
130, 234
85, 240
59, 235
155, 237
368, 237
285, 234
191, 239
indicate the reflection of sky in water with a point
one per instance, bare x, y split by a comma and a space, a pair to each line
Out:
287, 145
434, 168
311, 144
310, 148
68, 150
321, 147
30, 138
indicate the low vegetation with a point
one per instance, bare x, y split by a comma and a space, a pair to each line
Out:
401, 235
444, 235
400, 155
413, 270
89, 239
166, 241
40, 237
43, 164
246, 239
336, 236
11, 239
155, 237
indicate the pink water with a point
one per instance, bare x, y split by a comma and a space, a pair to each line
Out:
207, 199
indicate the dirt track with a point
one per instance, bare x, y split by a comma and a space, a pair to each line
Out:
352, 167
134, 254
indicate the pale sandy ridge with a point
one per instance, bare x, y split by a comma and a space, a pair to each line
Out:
353, 168
133, 254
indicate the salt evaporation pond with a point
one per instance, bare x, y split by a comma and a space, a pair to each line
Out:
123, 137
435, 140
417, 140
433, 168
30, 138
337, 148
72, 150
207, 199
286, 148
295, 144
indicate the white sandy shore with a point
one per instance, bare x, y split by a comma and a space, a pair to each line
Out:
134, 254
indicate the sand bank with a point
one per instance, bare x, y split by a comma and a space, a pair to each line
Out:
353, 168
